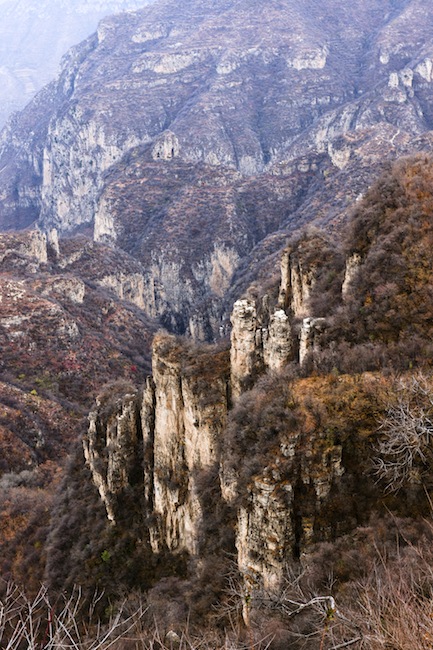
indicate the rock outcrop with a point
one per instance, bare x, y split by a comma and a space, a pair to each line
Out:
277, 524
215, 167
352, 265
308, 339
282, 454
119, 434
158, 442
24, 249
256, 347
296, 283
173, 429
177, 427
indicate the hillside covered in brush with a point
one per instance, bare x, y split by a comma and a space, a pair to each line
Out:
302, 450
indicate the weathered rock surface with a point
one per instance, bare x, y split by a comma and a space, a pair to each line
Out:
352, 266
296, 284
258, 342
253, 118
265, 336
249, 440
171, 430
310, 332
159, 441
179, 426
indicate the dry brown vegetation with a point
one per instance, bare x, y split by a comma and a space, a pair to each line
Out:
366, 581
385, 319
371, 590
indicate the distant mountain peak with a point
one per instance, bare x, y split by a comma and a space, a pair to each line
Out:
194, 136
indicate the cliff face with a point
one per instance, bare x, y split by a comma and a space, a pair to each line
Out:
263, 450
253, 118
174, 429
283, 490
162, 441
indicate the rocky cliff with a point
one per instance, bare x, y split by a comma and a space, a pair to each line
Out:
283, 480
270, 432
236, 417
174, 428
251, 124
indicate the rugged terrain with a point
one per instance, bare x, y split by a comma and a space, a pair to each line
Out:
310, 425
178, 177
35, 35
64, 333
207, 132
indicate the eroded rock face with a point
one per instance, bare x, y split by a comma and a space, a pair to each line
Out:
170, 431
160, 440
278, 344
126, 287
69, 288
258, 342
119, 434
245, 344
265, 534
267, 338
30, 247
214, 165
297, 282
175, 429
283, 508
33, 38
309, 336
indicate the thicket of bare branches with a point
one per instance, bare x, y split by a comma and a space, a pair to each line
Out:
390, 608
393, 604
40, 623
389, 605
405, 446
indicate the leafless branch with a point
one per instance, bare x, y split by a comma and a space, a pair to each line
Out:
406, 433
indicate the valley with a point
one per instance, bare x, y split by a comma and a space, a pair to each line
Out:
216, 326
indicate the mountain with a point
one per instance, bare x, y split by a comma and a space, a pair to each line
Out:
256, 469
35, 35
209, 131
256, 175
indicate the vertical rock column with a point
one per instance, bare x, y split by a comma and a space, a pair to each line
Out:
111, 450
296, 285
189, 418
278, 341
174, 507
245, 350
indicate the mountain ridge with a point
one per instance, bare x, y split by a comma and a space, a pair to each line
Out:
257, 96
34, 37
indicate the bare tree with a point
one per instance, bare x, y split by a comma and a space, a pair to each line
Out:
40, 624
406, 433
314, 621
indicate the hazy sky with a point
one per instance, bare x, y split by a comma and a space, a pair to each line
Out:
34, 35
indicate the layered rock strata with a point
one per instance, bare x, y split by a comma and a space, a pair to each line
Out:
189, 137
174, 428
161, 439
